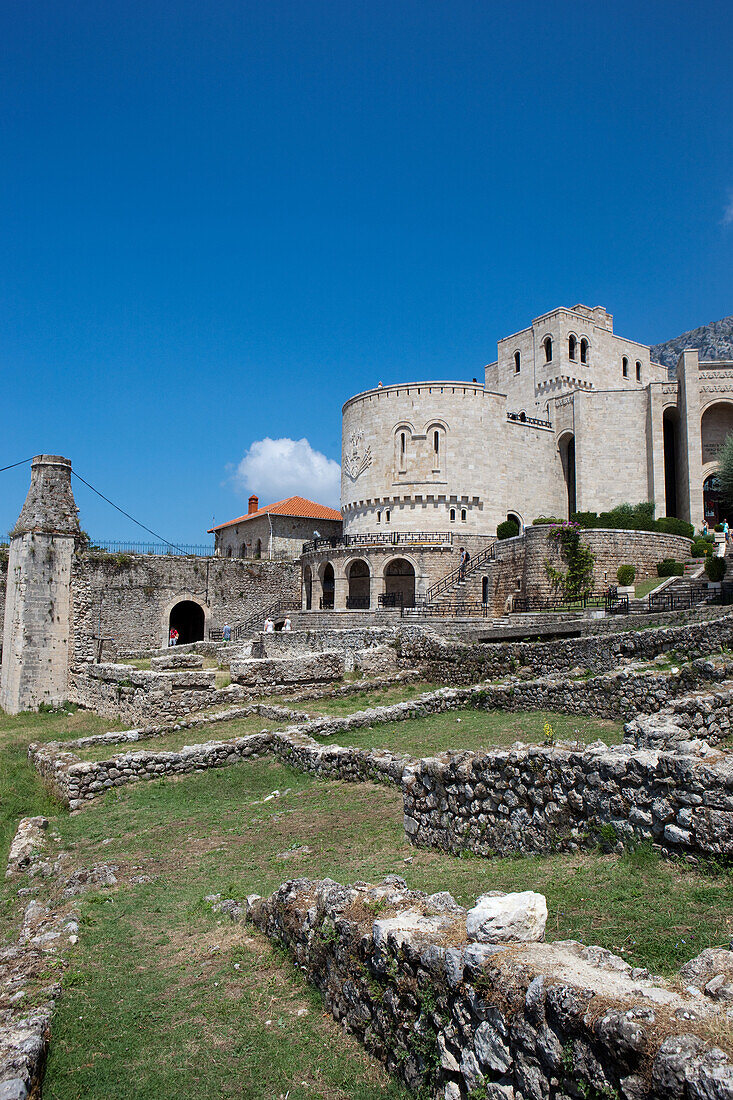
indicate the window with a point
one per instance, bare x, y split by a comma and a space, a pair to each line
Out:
625, 366
484, 590
386, 516
464, 515
584, 350
403, 440
572, 347
453, 515
436, 442
638, 371
379, 517
517, 362
547, 342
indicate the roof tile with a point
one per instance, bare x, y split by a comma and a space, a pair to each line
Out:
299, 507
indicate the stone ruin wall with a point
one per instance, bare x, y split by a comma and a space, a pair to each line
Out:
456, 1017
136, 596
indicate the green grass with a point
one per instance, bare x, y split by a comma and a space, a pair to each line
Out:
22, 793
477, 729
375, 697
170, 742
643, 588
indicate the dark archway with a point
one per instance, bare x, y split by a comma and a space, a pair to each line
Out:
715, 508
512, 517
670, 422
328, 584
399, 582
715, 426
188, 619
567, 457
359, 586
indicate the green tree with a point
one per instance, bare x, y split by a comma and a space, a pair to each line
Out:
725, 470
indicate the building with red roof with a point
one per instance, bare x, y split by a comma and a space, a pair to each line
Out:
277, 530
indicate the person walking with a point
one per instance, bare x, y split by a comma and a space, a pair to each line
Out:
227, 633
287, 625
269, 626
462, 563
726, 532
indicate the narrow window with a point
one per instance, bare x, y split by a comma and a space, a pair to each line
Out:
517, 362
638, 371
386, 516
402, 443
584, 350
625, 366
464, 514
484, 590
548, 348
436, 442
379, 517
453, 515
572, 347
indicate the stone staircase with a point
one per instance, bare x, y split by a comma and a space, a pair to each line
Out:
457, 589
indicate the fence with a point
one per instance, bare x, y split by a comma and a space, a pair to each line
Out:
200, 550
381, 538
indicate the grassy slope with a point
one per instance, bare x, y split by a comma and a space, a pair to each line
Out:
478, 729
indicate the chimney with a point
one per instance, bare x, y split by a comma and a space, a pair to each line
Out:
254, 504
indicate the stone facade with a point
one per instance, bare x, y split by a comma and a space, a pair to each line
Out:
570, 417
272, 536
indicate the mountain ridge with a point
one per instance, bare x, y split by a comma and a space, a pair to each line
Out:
713, 341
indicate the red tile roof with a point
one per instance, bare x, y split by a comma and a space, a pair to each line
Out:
293, 506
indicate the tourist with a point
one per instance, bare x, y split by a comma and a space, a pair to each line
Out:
726, 532
227, 632
287, 625
463, 562
173, 637
269, 626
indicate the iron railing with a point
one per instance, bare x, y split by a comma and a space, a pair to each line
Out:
255, 621
326, 602
380, 538
678, 599
358, 603
458, 611
522, 418
160, 548
609, 600
460, 573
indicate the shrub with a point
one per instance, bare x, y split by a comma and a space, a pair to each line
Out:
700, 548
508, 529
715, 569
670, 568
585, 519
719, 528
625, 574
545, 519
670, 525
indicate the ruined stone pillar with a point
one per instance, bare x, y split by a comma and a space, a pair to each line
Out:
37, 627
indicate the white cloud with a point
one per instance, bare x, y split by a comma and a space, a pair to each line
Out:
728, 214
279, 468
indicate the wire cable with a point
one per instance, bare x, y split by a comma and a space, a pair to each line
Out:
124, 513
14, 464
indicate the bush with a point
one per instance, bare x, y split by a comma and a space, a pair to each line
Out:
700, 548
545, 519
670, 568
715, 569
585, 519
670, 525
625, 574
719, 528
509, 529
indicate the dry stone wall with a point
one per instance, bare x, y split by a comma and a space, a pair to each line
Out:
136, 695
455, 1018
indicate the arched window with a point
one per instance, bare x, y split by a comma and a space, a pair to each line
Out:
403, 441
386, 516
436, 442
638, 371
243, 550
517, 362
625, 366
229, 551
453, 515
547, 343
379, 517
572, 347
464, 515
584, 350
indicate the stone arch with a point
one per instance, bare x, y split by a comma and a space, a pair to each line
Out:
403, 433
716, 423
572, 347
327, 577
358, 577
566, 447
584, 349
671, 437
400, 576
189, 615
516, 518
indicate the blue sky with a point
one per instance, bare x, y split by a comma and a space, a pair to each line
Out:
219, 221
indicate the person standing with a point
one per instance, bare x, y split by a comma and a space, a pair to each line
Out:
173, 637
227, 633
287, 625
726, 532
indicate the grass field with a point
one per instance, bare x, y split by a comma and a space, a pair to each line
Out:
163, 999
170, 742
376, 697
477, 729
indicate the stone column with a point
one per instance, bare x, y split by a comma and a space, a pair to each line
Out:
689, 487
37, 627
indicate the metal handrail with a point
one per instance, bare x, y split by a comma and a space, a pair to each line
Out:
522, 418
381, 538
256, 617
450, 579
